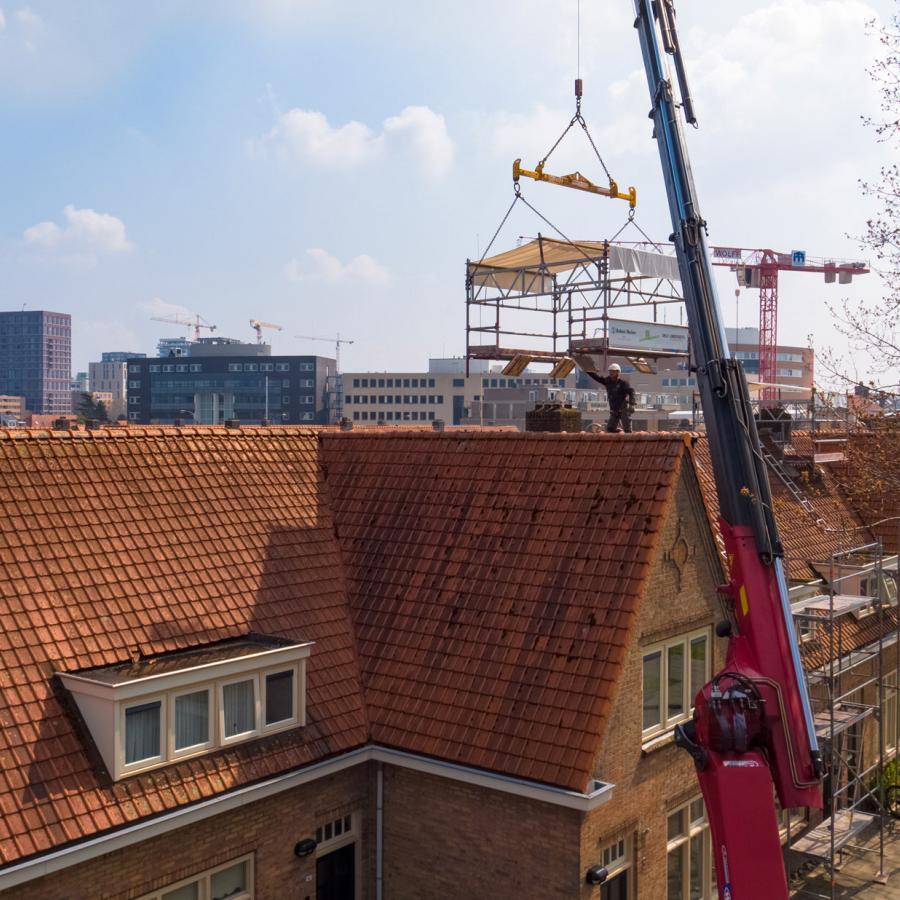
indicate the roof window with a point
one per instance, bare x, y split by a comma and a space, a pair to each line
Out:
162, 709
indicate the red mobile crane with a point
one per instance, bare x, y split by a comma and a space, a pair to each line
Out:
759, 269
752, 724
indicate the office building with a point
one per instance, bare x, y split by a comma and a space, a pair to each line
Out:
12, 409
794, 376
442, 393
110, 376
222, 379
36, 359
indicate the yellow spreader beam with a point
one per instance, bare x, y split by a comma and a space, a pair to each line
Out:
575, 180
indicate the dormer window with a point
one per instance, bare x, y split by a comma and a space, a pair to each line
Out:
157, 710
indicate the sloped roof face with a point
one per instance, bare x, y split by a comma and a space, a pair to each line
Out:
157, 540
494, 579
807, 537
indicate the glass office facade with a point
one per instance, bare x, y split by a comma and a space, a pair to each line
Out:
211, 390
36, 359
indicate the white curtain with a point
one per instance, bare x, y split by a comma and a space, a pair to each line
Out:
239, 708
191, 719
142, 732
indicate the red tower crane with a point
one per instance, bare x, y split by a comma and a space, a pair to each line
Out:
759, 269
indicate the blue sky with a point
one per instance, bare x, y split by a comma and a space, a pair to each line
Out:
329, 167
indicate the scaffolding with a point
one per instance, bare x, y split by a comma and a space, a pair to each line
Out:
557, 295
854, 697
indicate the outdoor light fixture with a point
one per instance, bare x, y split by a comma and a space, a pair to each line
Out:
304, 847
596, 875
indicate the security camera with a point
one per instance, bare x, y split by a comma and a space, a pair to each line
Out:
596, 875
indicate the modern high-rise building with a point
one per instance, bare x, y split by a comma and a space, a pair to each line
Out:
223, 379
110, 375
36, 359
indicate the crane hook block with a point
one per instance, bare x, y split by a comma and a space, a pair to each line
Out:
575, 180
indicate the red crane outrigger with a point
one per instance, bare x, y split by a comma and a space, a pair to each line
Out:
752, 724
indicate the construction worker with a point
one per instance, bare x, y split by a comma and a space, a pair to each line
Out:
621, 398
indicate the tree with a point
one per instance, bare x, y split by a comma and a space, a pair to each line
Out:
88, 408
873, 327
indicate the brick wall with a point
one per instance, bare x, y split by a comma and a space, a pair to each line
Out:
445, 840
268, 828
680, 597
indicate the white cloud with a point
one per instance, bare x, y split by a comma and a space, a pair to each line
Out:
2, 20
307, 136
28, 18
320, 265
162, 308
85, 235
427, 134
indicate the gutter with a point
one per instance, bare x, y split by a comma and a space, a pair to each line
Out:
55, 860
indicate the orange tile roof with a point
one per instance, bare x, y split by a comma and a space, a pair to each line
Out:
808, 538
494, 580
157, 539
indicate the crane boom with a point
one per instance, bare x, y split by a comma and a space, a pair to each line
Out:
752, 723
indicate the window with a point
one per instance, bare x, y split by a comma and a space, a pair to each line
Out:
181, 368
689, 867
673, 673
267, 367
459, 382
251, 367
356, 416
134, 400
233, 881
234, 367
341, 829
168, 368
284, 367
196, 367
134, 384
190, 720
307, 382
238, 708
356, 382
431, 382
133, 416
134, 368
616, 859
306, 400
280, 697
365, 382
307, 367
143, 727
380, 382
307, 417
390, 382
204, 698
154, 368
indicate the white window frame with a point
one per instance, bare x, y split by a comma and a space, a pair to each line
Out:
151, 762
667, 723
621, 863
696, 829
204, 881
244, 735
298, 712
194, 749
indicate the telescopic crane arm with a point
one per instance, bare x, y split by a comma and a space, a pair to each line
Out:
752, 723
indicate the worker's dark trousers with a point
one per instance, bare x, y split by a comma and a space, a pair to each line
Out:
616, 416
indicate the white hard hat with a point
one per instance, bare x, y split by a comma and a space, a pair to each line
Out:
615, 367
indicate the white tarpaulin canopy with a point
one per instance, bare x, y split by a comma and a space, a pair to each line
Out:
529, 269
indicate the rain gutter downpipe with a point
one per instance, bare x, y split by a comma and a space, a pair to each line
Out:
379, 837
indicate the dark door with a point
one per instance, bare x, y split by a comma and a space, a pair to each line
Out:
336, 874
